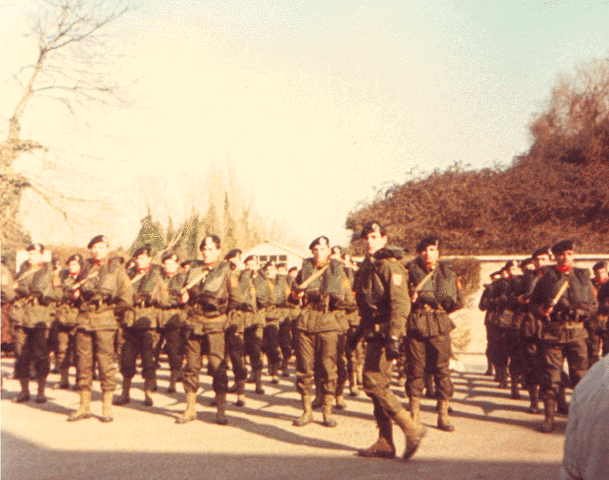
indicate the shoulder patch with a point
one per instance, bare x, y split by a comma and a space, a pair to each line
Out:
397, 279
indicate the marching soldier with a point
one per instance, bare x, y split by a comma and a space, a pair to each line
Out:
255, 291
323, 288
207, 292
278, 291
241, 308
32, 313
487, 305
139, 335
596, 324
435, 293
381, 291
107, 296
67, 312
531, 330
171, 318
563, 299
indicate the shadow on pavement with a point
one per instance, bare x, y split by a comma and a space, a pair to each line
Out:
22, 459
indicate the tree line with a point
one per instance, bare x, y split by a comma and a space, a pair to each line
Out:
558, 189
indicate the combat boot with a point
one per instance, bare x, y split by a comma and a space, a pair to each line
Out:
307, 414
415, 409
221, 409
353, 384
190, 413
534, 399
382, 448
443, 421
547, 425
106, 415
148, 389
515, 393
42, 384
84, 410
413, 433
273, 369
502, 377
340, 402
329, 420
24, 396
124, 397
258, 381
64, 379
173, 375
489, 368
359, 374
284, 368
240, 393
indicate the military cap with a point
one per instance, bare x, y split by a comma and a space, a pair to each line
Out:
427, 242
282, 265
599, 265
323, 240
562, 246
146, 249
270, 263
170, 256
250, 257
208, 239
494, 274
510, 264
541, 251
372, 226
98, 239
233, 253
39, 247
185, 263
74, 257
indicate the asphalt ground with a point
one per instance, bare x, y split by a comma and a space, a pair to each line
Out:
495, 437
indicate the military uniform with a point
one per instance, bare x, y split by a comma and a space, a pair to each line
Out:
206, 319
563, 334
486, 304
318, 327
64, 327
429, 327
139, 335
381, 292
32, 313
107, 298
170, 320
278, 290
602, 326
242, 315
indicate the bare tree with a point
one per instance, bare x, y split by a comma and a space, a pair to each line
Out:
72, 67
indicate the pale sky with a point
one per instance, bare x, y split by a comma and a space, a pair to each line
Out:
317, 104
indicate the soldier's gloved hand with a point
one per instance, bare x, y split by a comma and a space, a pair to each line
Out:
392, 349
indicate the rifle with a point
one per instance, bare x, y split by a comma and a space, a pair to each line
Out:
419, 286
79, 284
195, 280
312, 278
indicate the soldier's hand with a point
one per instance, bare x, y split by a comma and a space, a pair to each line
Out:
392, 349
185, 296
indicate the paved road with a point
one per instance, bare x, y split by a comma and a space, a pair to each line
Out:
494, 439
